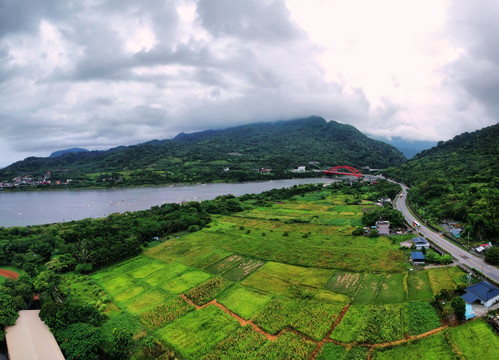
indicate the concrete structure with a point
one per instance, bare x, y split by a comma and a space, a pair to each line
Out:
383, 227
484, 292
417, 257
30, 338
420, 243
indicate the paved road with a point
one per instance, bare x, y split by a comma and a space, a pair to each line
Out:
456, 252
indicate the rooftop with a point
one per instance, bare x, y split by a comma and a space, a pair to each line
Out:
417, 255
419, 240
482, 291
30, 338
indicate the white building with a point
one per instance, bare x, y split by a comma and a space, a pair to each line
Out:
383, 227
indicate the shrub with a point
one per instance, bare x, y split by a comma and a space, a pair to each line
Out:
83, 268
459, 306
358, 231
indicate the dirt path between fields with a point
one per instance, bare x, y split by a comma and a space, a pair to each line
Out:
244, 322
325, 339
9, 274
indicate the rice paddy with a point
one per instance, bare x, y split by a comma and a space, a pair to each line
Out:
271, 282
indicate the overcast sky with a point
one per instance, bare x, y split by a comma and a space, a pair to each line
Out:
98, 73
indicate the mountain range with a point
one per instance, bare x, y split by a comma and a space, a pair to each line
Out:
231, 154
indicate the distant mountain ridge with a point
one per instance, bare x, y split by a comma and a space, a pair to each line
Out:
407, 147
210, 155
62, 152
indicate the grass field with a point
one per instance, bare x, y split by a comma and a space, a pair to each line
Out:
418, 285
292, 265
474, 340
244, 301
344, 282
392, 290
338, 352
431, 348
198, 332
445, 278
369, 289
348, 330
311, 317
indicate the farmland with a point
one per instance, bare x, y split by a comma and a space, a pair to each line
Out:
274, 282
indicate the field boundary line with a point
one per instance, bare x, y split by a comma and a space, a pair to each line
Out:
244, 322
321, 343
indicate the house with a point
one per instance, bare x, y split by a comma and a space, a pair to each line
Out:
30, 338
417, 257
383, 227
300, 169
420, 243
484, 292
456, 232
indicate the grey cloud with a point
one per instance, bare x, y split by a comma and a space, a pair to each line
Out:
476, 71
251, 19
25, 16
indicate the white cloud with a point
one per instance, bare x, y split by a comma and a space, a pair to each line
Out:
98, 74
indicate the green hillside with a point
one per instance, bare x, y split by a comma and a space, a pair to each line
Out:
458, 179
202, 156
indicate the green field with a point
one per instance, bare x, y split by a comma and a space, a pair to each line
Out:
418, 285
337, 352
431, 348
475, 340
289, 268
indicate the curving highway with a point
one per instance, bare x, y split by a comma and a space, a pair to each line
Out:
460, 255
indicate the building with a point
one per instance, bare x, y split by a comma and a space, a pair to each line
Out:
456, 232
383, 227
420, 243
417, 257
484, 292
30, 338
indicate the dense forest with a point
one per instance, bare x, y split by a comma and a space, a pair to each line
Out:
232, 154
459, 180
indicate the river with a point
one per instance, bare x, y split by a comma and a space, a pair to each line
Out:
45, 207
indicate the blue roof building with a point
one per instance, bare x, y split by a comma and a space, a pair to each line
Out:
484, 292
417, 257
420, 243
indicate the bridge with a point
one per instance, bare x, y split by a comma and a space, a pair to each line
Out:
343, 170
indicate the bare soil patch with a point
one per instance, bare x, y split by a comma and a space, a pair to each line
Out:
9, 274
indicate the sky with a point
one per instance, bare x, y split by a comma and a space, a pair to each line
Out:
102, 73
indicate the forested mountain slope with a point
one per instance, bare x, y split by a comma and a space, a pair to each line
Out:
458, 179
202, 156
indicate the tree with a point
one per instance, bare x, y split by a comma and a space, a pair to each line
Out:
46, 281
79, 341
61, 264
373, 233
122, 340
8, 313
492, 255
459, 306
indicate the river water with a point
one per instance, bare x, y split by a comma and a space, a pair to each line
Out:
45, 207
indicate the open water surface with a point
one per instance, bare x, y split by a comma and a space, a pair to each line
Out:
45, 207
